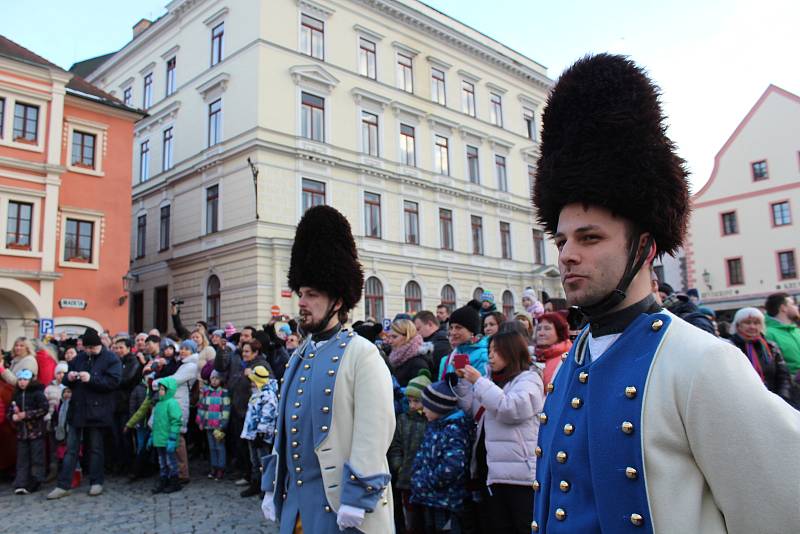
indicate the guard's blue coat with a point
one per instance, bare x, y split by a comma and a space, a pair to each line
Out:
598, 493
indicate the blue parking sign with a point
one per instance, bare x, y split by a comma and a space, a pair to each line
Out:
46, 327
387, 324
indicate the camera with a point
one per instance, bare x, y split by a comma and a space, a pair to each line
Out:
176, 302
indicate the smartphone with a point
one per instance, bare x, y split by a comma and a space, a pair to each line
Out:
460, 361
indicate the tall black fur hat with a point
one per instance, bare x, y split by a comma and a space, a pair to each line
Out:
604, 143
324, 256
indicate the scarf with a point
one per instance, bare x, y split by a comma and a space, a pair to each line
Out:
403, 353
503, 377
551, 356
757, 348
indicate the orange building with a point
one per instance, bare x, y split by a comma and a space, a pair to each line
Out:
65, 208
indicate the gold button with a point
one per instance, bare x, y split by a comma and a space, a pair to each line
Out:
352, 477
536, 485
538, 451
311, 355
631, 473
284, 496
331, 372
370, 489
583, 377
342, 344
295, 456
299, 482
286, 366
576, 402
307, 366
630, 392
302, 379
279, 396
627, 427
327, 508
324, 428
543, 418
534, 526
561, 457
294, 430
550, 387
294, 417
327, 391
563, 486
298, 469
569, 429
299, 391
385, 503
637, 520
561, 514
350, 334
564, 357
325, 409
656, 326
283, 380
335, 359
295, 444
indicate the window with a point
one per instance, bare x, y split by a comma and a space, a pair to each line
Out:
449, 298
144, 161
538, 247
147, 92
658, 270
217, 34
405, 72
213, 300
171, 75
500, 168
505, 240
473, 166
372, 215
313, 117
477, 235
441, 158
411, 219
477, 294
530, 123
508, 304
729, 223
83, 149
215, 122
161, 308
366, 58
760, 170
18, 225
78, 239
166, 153
127, 96
407, 149
413, 298
2, 116
26, 123
312, 37
373, 298
313, 193
531, 178
369, 133
786, 265
496, 111
781, 216
468, 98
212, 209
141, 235
445, 229
438, 93
164, 228
137, 311
735, 271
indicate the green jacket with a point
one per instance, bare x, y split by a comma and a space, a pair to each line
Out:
167, 416
787, 337
407, 436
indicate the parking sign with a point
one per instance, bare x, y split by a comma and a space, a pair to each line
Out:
387, 324
46, 327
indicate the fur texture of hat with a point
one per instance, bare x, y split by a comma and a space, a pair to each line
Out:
324, 256
604, 143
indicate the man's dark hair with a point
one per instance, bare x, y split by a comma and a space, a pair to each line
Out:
154, 338
125, 341
426, 317
774, 302
252, 330
203, 324
445, 306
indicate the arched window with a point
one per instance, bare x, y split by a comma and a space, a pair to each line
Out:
373, 298
449, 297
508, 304
213, 301
413, 298
478, 293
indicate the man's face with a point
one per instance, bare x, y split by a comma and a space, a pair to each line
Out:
790, 309
292, 341
593, 251
441, 314
246, 336
458, 335
97, 349
314, 307
120, 349
425, 329
140, 339
151, 347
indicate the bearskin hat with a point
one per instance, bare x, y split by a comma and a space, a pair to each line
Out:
324, 256
604, 143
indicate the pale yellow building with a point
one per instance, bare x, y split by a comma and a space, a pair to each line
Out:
421, 130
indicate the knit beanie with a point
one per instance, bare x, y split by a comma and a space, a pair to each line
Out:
219, 332
229, 330
216, 374
24, 374
529, 293
62, 367
487, 296
189, 344
417, 384
439, 397
467, 317
259, 376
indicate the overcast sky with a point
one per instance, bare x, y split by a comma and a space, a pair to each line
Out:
712, 58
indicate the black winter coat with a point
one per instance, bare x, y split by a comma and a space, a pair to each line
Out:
32, 401
776, 375
232, 367
92, 403
130, 376
441, 344
410, 369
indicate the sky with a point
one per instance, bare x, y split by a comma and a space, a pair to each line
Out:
712, 58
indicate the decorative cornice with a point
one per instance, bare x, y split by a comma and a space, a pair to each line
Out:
315, 8
413, 52
526, 100
399, 107
148, 68
315, 75
496, 88
216, 17
366, 32
362, 94
171, 52
471, 132
165, 114
495, 142
24, 274
438, 63
434, 120
216, 84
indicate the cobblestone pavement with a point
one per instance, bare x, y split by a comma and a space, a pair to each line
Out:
128, 508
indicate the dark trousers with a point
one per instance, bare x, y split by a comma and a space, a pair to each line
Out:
167, 463
255, 454
440, 520
236, 446
30, 462
508, 509
95, 449
122, 453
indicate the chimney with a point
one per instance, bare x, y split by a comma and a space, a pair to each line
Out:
140, 27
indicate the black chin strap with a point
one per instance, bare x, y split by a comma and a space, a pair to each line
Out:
615, 298
332, 310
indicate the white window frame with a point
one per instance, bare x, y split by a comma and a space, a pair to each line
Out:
204, 211
435, 153
43, 119
165, 168
498, 182
140, 179
15, 194
381, 210
220, 128
100, 132
81, 214
466, 163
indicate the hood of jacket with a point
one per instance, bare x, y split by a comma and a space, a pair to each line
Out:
771, 322
170, 385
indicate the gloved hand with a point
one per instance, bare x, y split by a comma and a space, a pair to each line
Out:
349, 517
149, 442
219, 435
172, 444
268, 506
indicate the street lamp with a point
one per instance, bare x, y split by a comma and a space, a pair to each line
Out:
127, 285
707, 278
254, 170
